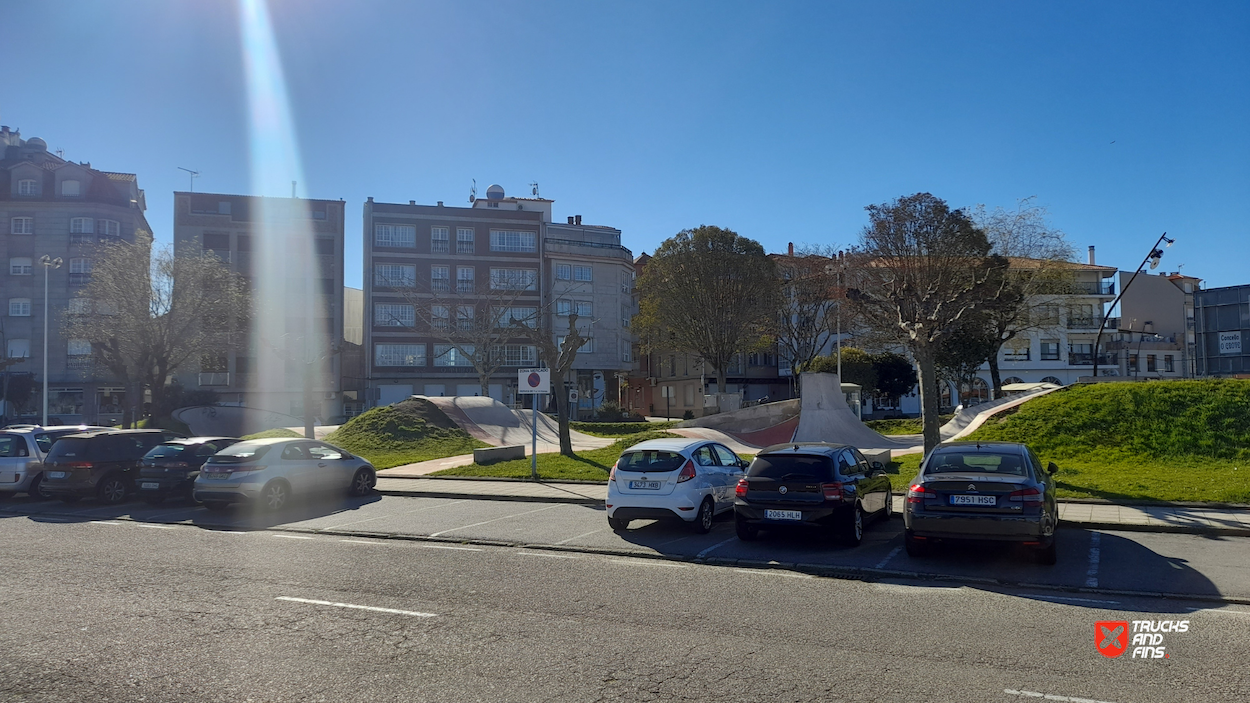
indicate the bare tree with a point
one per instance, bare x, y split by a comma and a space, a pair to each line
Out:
809, 296
918, 269
559, 355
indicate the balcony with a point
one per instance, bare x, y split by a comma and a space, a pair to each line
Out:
571, 246
1086, 359
78, 362
1083, 323
214, 378
1087, 288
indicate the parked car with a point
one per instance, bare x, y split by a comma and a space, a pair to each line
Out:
22, 451
170, 469
101, 463
270, 471
663, 479
829, 487
983, 491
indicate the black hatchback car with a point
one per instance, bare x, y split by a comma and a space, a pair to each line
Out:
169, 469
101, 464
983, 491
817, 485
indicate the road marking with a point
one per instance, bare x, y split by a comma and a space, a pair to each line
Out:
104, 522
893, 553
707, 551
353, 606
549, 556
442, 546
566, 541
293, 536
230, 532
157, 527
358, 541
1072, 600
773, 572
1050, 696
487, 522
406, 512
1091, 575
644, 562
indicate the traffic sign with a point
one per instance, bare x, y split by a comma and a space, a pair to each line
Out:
534, 381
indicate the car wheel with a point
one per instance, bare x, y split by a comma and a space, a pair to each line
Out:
888, 511
37, 490
362, 482
1049, 554
703, 520
112, 490
275, 496
216, 505
746, 531
853, 531
915, 548
618, 524
154, 500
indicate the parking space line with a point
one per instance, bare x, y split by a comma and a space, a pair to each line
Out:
549, 556
1095, 553
446, 546
707, 551
645, 562
293, 536
406, 512
566, 541
359, 541
893, 553
156, 527
774, 572
1050, 696
1066, 599
104, 522
353, 606
487, 522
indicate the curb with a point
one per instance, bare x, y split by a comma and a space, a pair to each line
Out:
481, 496
500, 479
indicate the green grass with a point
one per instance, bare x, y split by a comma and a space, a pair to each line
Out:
164, 423
590, 465
275, 433
404, 433
619, 429
910, 425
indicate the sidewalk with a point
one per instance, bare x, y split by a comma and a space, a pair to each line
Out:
1103, 516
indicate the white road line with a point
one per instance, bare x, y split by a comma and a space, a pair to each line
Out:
1095, 553
357, 607
644, 562
549, 556
566, 541
442, 546
893, 553
358, 541
293, 536
230, 532
158, 527
1050, 696
406, 512
773, 572
707, 551
487, 522
1071, 600
104, 522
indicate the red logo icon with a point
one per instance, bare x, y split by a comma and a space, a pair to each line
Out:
1111, 637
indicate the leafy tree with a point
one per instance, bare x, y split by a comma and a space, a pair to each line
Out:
896, 376
966, 349
918, 269
708, 291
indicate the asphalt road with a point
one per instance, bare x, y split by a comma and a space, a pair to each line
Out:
116, 610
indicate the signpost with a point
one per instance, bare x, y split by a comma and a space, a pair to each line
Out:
535, 383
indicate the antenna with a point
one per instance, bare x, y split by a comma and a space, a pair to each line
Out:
473, 191
194, 175
534, 188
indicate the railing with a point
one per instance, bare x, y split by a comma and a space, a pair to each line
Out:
1088, 288
1082, 323
1082, 359
439, 246
214, 378
464, 287
78, 362
440, 285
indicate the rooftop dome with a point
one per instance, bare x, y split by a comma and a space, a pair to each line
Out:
37, 143
495, 192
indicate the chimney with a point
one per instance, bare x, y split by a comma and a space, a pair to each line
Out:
577, 219
412, 202
440, 203
1091, 255
570, 219
790, 249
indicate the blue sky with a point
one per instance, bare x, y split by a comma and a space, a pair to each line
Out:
780, 120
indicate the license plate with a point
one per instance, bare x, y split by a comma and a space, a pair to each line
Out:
783, 514
210, 475
150, 485
974, 500
56, 474
644, 485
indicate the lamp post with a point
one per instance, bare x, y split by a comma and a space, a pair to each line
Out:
1153, 258
48, 263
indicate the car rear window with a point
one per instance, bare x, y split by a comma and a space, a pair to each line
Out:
792, 467
70, 448
650, 460
239, 453
976, 462
166, 451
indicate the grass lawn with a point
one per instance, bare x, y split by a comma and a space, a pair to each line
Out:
592, 465
404, 433
619, 429
277, 432
910, 425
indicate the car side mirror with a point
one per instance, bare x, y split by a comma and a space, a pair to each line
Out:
1052, 468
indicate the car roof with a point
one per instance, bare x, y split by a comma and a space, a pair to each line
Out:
198, 440
965, 445
669, 445
275, 440
825, 448
107, 433
31, 429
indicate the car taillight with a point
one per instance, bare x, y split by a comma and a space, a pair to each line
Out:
741, 489
687, 471
1029, 496
77, 465
915, 493
833, 491
612, 472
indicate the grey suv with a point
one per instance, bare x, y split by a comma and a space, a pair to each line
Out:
100, 464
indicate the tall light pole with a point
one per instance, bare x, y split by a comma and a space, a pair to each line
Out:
48, 263
1153, 257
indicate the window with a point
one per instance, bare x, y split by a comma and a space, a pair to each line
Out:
79, 270
395, 236
1050, 350
19, 307
1152, 363
464, 316
513, 279
439, 240
1168, 364
324, 246
19, 349
440, 278
1016, 351
70, 188
81, 225
587, 348
223, 207
625, 351
395, 275
1080, 354
440, 317
399, 355
583, 308
564, 272
27, 186
625, 283
504, 317
1132, 362
214, 362
581, 273
1048, 315
464, 279
689, 392
1052, 379
464, 240
19, 266
448, 355
394, 315
1081, 316
518, 355
23, 225
109, 228
506, 240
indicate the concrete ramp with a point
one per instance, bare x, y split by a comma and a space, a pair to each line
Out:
967, 420
230, 421
492, 422
825, 417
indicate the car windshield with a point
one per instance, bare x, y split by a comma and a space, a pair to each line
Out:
976, 462
165, 451
239, 453
796, 467
650, 460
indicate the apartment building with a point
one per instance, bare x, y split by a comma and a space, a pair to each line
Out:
1223, 331
52, 207
431, 270
290, 250
1154, 335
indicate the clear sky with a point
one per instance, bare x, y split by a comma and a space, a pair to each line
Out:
780, 120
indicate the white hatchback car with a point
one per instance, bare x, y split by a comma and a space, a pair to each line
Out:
662, 479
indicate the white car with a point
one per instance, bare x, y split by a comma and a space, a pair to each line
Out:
662, 479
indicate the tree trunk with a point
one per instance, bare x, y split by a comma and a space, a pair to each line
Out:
483, 380
722, 377
562, 415
930, 398
996, 381
134, 405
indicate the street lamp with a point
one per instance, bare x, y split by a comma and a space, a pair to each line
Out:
48, 263
1153, 258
